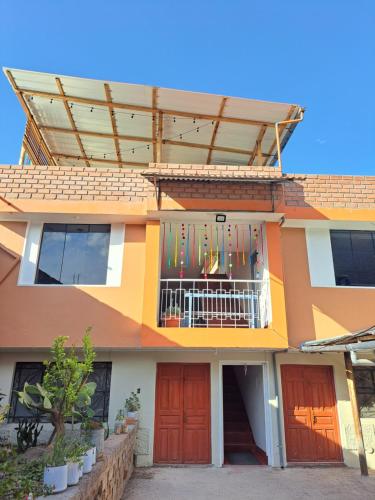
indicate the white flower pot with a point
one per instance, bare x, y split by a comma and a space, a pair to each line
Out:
97, 439
80, 469
56, 477
133, 414
73, 473
87, 461
93, 455
130, 427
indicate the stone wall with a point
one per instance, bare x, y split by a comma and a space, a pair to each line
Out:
109, 476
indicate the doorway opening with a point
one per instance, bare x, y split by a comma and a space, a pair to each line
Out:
244, 415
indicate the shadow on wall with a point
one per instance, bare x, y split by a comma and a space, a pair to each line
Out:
34, 315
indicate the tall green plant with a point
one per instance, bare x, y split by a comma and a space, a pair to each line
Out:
64, 391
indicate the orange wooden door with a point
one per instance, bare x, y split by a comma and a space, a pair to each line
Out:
182, 414
196, 436
310, 415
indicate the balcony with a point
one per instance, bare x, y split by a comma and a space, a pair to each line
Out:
213, 275
213, 303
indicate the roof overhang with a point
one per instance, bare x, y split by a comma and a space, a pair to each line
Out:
358, 341
80, 121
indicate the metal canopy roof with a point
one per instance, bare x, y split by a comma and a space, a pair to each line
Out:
357, 341
96, 123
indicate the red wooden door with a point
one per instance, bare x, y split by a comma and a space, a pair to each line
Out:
182, 414
310, 415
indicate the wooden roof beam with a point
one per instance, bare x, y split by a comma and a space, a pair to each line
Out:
159, 145
150, 140
30, 117
216, 127
99, 160
154, 105
258, 148
146, 109
281, 130
71, 120
108, 96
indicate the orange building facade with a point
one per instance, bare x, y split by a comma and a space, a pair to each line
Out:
200, 280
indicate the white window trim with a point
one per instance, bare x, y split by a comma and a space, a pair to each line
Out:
320, 259
31, 251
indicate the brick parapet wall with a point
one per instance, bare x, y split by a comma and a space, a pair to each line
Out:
127, 184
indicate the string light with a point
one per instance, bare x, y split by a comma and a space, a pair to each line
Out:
132, 115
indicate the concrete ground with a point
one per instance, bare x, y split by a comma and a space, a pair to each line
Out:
248, 482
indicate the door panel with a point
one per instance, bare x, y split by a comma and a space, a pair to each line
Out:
196, 442
311, 426
168, 413
182, 414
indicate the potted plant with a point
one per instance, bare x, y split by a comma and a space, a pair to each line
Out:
87, 458
132, 405
56, 470
73, 455
94, 433
119, 422
65, 390
172, 316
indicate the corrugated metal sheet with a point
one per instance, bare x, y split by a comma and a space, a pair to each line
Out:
49, 113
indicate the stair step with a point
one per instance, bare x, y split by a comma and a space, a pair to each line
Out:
238, 447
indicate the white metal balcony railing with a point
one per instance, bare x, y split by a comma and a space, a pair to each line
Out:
213, 303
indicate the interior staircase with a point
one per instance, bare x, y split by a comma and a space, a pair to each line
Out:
238, 436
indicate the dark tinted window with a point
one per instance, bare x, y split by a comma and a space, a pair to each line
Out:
33, 373
73, 254
354, 257
365, 385
25, 372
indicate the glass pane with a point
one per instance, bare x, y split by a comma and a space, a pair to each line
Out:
51, 254
74, 254
25, 372
86, 255
353, 257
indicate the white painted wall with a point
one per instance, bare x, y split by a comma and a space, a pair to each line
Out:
251, 387
319, 252
131, 370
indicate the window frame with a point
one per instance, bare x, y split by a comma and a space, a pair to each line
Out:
65, 233
364, 390
32, 246
350, 233
12, 416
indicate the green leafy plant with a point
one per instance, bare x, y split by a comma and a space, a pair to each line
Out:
18, 477
74, 449
92, 425
64, 391
56, 457
132, 403
3, 409
27, 434
173, 311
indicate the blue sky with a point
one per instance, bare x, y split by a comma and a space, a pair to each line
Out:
317, 53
